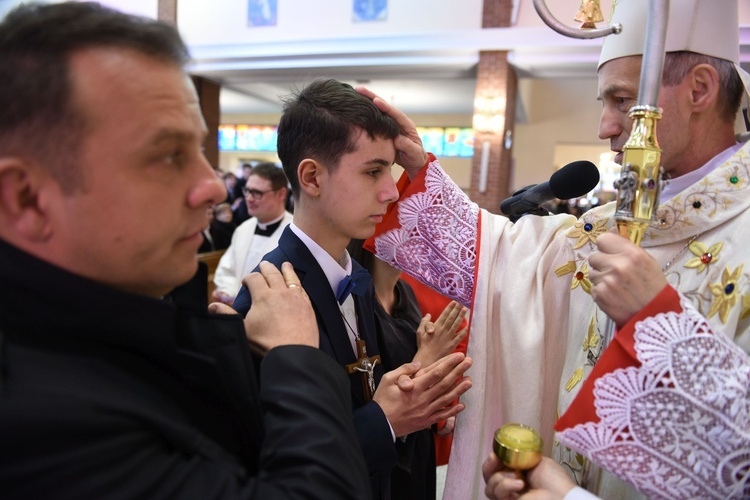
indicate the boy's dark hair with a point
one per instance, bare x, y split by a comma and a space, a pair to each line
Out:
321, 122
37, 116
271, 172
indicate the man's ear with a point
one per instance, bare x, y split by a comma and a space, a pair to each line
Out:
704, 87
308, 173
20, 209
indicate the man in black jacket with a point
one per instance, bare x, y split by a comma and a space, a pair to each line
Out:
110, 386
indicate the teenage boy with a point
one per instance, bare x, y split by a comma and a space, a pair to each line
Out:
337, 150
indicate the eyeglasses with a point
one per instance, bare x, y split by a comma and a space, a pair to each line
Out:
256, 193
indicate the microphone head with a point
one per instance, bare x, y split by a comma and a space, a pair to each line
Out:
574, 179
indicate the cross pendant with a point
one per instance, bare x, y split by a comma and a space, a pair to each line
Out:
366, 366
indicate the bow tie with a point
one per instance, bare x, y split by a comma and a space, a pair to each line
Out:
357, 284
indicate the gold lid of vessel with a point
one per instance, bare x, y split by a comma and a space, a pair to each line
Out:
518, 446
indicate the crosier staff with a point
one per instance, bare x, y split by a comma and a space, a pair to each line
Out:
640, 178
639, 185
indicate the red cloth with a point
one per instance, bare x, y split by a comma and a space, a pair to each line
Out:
405, 189
430, 300
619, 354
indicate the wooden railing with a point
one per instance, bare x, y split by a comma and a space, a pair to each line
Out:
212, 261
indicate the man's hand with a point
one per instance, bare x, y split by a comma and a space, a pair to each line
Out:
501, 483
428, 399
438, 339
548, 480
281, 313
624, 277
411, 154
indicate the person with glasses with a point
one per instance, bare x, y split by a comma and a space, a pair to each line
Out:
265, 194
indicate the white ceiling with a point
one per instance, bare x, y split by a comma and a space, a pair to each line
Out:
428, 73
431, 73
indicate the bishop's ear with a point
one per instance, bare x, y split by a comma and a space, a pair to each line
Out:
704, 85
21, 213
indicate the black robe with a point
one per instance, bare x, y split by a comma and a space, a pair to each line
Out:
106, 394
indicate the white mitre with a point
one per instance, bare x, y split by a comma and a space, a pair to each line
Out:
709, 27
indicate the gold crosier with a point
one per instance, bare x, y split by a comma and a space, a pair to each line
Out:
639, 185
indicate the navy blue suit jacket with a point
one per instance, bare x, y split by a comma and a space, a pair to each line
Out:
371, 425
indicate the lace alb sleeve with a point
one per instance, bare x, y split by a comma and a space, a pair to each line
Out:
437, 238
677, 426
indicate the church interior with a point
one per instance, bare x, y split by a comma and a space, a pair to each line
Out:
502, 99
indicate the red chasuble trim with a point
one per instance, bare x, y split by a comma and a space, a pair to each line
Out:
406, 188
620, 354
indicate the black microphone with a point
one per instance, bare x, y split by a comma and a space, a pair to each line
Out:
573, 180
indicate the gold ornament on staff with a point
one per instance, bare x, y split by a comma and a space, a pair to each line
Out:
589, 13
639, 185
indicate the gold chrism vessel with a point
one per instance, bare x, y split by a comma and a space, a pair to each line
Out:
518, 446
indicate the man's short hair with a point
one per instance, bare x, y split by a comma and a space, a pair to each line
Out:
678, 64
37, 116
271, 172
321, 122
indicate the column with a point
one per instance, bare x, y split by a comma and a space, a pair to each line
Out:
208, 95
494, 116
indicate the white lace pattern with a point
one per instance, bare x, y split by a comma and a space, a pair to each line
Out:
678, 426
436, 242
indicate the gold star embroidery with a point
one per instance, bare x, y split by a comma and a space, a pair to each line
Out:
569, 267
587, 232
577, 377
745, 307
592, 338
582, 278
725, 293
703, 256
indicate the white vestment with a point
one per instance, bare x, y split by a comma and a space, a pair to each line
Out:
234, 264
